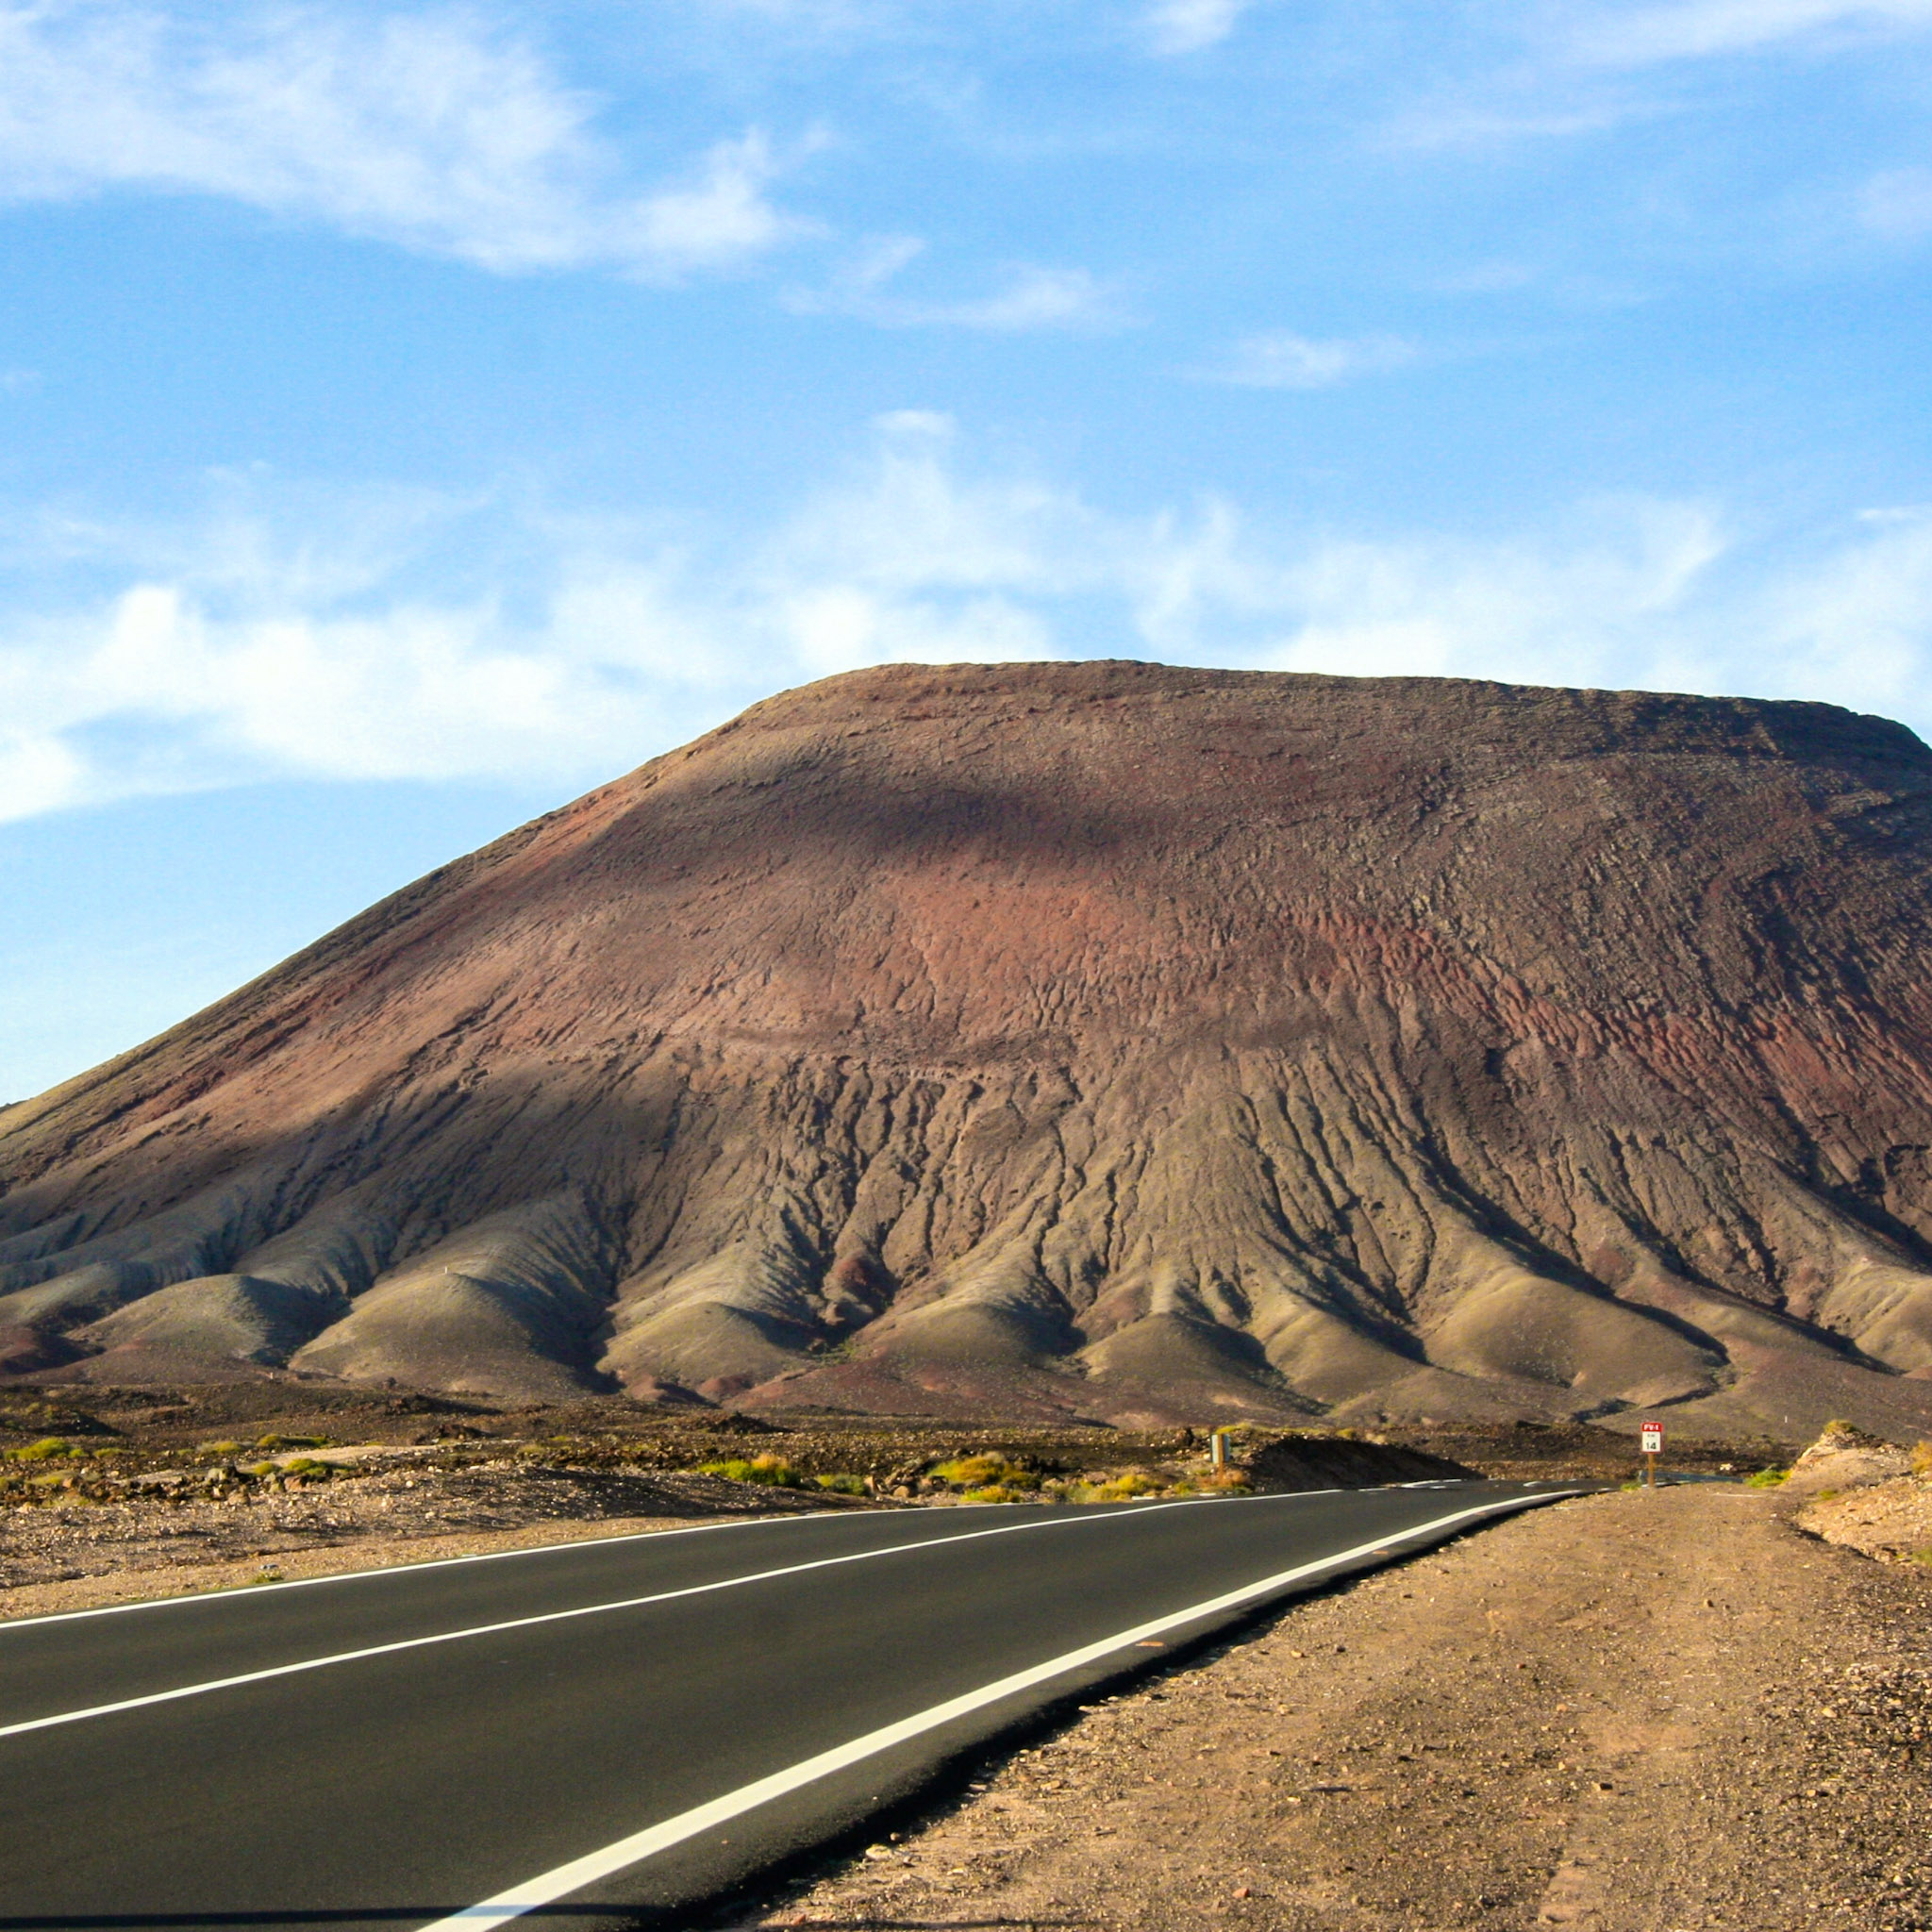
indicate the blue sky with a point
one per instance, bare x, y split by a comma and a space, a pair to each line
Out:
411, 417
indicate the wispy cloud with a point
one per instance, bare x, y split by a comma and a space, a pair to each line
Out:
1562, 69
1027, 297
1185, 26
1701, 29
428, 130
1279, 359
1897, 205
1521, 109
411, 636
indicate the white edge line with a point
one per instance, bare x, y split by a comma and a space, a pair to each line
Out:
1057, 1521
560, 1882
234, 1593
244, 1593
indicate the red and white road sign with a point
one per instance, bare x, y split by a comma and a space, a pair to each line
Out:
1653, 1439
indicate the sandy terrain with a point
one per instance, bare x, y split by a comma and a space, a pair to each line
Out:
1890, 1520
78, 1556
1631, 1713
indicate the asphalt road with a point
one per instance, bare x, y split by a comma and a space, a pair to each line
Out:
590, 1736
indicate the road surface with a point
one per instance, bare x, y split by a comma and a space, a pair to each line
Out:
589, 1735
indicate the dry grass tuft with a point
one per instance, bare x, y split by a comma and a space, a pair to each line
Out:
773, 1471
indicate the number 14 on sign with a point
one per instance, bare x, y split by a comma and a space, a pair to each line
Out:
1651, 1441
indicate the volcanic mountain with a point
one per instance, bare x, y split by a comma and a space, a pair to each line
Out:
1054, 1041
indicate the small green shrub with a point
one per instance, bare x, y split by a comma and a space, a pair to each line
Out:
772, 1470
991, 1493
1124, 1489
288, 1442
1922, 1459
1766, 1478
1119, 1489
841, 1485
45, 1450
985, 1472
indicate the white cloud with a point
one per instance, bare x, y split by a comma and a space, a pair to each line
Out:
1897, 205
1563, 69
39, 774
427, 130
1587, 604
1278, 360
913, 522
838, 627
1857, 626
1478, 123
1701, 29
277, 637
720, 218
1185, 26
1030, 297
1487, 279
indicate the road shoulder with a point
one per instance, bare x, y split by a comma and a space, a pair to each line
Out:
1625, 1713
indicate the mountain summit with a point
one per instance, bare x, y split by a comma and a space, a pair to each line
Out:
1093, 1039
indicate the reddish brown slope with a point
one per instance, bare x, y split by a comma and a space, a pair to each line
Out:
1099, 1038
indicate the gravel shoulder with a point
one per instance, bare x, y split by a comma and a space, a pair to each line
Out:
1667, 1712
1890, 1520
82, 1556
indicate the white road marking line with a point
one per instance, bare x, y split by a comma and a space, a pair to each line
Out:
503, 1555
558, 1883
583, 1542
348, 1657
229, 1596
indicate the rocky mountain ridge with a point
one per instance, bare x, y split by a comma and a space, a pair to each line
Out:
1091, 1039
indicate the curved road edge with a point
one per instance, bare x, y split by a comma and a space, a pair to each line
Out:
674, 1864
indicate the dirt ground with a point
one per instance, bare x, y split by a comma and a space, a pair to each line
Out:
1890, 1520
79, 1556
1667, 1712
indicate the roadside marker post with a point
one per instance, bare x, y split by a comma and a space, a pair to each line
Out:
1651, 1443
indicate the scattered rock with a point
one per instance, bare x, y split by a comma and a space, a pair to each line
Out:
1844, 1457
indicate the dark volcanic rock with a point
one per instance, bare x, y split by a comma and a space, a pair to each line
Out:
1078, 1040
1323, 1462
